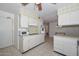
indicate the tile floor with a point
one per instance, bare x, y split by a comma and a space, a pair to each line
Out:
45, 49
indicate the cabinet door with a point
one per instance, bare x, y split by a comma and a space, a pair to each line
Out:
24, 21
37, 40
26, 43
74, 18
41, 38
64, 19
65, 45
32, 42
69, 46
58, 44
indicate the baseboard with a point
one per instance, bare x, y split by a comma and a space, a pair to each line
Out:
59, 53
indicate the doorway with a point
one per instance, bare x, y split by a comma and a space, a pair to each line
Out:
46, 31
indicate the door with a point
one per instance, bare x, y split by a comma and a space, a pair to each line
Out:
32, 41
6, 32
26, 43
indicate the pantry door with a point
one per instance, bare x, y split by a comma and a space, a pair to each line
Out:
6, 31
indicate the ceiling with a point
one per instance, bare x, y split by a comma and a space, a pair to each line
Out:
10, 7
48, 13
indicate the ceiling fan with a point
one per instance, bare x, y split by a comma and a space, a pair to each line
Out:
38, 5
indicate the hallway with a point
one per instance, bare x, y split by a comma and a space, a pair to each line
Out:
45, 49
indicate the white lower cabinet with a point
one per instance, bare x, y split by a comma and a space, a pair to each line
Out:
65, 45
42, 37
32, 42
28, 42
35, 40
24, 43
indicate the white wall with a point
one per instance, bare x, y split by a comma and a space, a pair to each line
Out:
68, 30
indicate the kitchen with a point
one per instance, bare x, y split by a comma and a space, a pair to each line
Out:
28, 28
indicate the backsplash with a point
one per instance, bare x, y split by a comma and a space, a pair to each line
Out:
69, 30
74, 31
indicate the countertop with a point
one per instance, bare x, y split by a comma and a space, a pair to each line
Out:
68, 36
31, 34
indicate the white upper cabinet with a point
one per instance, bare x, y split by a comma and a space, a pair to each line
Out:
68, 15
33, 21
24, 21
69, 19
